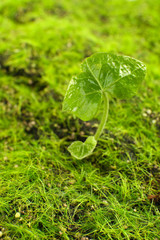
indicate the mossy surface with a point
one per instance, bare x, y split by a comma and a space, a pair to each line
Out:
113, 194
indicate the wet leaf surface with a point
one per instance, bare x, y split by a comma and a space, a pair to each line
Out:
102, 72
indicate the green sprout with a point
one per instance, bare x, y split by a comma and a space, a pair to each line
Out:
103, 75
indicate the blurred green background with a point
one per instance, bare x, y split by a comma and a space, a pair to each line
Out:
113, 194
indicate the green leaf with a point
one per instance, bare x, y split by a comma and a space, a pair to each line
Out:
102, 72
81, 150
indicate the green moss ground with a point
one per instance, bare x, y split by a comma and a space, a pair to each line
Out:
104, 196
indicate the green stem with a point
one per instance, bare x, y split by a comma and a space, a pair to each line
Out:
104, 117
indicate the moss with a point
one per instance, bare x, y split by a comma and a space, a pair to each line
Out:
109, 195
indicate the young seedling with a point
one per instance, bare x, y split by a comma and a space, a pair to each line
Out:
103, 75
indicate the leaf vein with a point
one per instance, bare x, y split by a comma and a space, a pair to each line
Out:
94, 75
122, 77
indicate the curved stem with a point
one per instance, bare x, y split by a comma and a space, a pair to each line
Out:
104, 117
